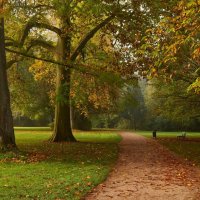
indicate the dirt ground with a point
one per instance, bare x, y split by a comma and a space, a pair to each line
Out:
148, 171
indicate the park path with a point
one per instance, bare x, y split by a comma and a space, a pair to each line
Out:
148, 171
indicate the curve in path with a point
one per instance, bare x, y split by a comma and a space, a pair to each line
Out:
148, 171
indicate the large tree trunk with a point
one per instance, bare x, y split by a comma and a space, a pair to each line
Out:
7, 137
62, 123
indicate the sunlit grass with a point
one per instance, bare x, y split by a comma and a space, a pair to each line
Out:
44, 170
32, 128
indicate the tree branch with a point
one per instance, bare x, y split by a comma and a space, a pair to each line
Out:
11, 42
80, 68
10, 63
89, 36
182, 78
37, 58
42, 43
31, 24
36, 42
39, 6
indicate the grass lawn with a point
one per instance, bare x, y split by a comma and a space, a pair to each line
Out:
189, 148
45, 170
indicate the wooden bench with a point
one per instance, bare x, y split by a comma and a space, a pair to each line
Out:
182, 137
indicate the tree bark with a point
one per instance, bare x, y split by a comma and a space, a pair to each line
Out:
62, 124
7, 137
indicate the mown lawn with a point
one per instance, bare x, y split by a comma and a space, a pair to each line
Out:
44, 170
188, 148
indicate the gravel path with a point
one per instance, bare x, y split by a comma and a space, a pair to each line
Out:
148, 171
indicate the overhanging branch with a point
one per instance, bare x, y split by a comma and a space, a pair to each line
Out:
32, 24
89, 36
80, 68
37, 58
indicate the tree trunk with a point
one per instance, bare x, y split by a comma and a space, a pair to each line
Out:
62, 123
7, 137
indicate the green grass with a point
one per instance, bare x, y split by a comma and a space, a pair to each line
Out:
56, 171
168, 134
32, 128
188, 149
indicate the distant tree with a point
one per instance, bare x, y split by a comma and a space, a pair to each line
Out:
25, 88
172, 105
131, 106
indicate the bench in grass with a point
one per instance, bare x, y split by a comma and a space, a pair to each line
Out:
182, 136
